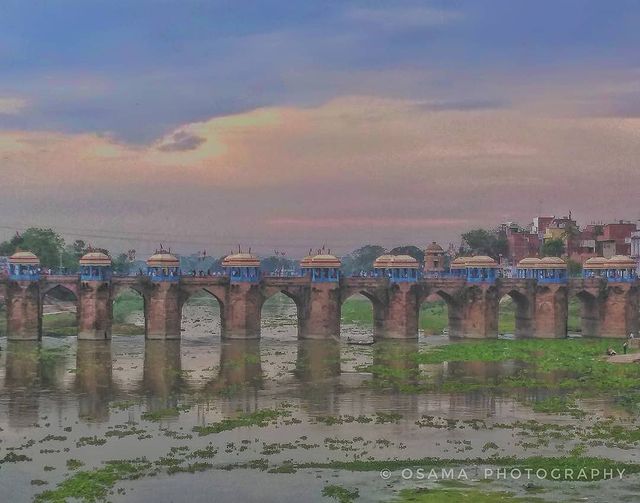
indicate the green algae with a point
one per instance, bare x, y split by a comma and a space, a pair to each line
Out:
259, 418
448, 495
94, 485
340, 494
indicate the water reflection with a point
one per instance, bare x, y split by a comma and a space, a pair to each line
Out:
94, 379
317, 364
162, 374
22, 382
239, 377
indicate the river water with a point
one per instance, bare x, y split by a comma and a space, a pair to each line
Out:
91, 402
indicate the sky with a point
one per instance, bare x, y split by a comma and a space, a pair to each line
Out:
279, 125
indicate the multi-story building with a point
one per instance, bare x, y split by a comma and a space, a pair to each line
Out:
634, 244
540, 225
521, 244
616, 239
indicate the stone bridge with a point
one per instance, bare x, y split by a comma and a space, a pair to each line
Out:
607, 309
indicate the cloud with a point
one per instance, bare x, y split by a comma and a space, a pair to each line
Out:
12, 106
398, 18
352, 170
181, 140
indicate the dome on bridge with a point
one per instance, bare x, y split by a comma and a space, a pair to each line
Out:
553, 263
163, 259
396, 262
481, 261
305, 263
529, 263
382, 261
596, 263
24, 258
325, 260
241, 260
459, 263
95, 259
434, 248
621, 262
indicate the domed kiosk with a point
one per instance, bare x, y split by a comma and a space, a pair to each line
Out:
458, 268
24, 266
621, 269
242, 267
322, 267
306, 264
481, 269
95, 266
595, 267
163, 266
552, 270
528, 268
398, 268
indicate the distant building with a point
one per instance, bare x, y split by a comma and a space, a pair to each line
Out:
434, 258
616, 239
634, 243
540, 225
521, 244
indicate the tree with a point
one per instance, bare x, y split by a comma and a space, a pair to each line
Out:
575, 268
485, 242
412, 251
553, 248
570, 235
278, 263
45, 243
361, 259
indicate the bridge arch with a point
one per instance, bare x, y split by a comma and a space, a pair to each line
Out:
520, 304
128, 306
59, 307
589, 312
356, 314
201, 311
438, 313
280, 314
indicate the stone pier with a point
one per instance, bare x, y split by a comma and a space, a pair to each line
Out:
24, 311
95, 310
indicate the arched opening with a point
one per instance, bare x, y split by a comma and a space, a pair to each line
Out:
128, 313
279, 317
360, 317
589, 316
201, 316
59, 312
514, 315
434, 315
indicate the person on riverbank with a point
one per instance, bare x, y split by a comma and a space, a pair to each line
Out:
611, 352
624, 348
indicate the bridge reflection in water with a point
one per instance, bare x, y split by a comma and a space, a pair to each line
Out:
232, 376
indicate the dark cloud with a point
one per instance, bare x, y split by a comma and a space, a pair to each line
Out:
182, 141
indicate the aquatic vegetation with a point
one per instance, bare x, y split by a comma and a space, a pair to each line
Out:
261, 418
340, 494
94, 440
12, 457
447, 495
558, 405
94, 485
74, 464
160, 414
